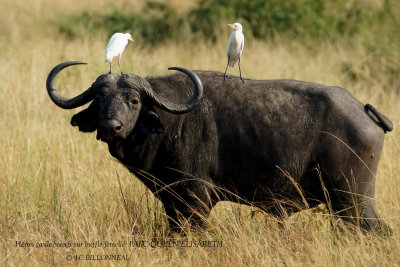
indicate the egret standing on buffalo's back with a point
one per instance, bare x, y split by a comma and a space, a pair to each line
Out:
116, 46
235, 47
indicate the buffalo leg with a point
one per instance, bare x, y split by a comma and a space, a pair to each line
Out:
179, 220
189, 209
352, 199
349, 171
359, 211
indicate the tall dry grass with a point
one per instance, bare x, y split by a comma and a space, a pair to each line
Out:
57, 184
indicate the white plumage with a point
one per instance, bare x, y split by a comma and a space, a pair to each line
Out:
235, 47
116, 46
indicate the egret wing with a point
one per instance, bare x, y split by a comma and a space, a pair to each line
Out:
241, 46
229, 43
115, 46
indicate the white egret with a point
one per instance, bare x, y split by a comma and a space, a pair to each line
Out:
116, 46
235, 47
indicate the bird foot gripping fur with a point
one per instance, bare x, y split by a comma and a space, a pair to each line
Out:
229, 77
226, 76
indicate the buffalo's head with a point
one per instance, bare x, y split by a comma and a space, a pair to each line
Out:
118, 101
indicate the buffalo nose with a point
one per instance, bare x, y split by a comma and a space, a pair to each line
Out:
110, 128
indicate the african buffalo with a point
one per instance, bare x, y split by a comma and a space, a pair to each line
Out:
269, 143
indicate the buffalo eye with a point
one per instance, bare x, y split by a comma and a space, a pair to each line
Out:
134, 101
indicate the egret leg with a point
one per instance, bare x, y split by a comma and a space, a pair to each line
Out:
226, 69
110, 69
119, 64
240, 71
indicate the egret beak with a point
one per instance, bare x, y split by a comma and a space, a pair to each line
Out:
130, 39
230, 25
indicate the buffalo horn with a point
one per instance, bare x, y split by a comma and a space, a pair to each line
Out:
62, 102
171, 107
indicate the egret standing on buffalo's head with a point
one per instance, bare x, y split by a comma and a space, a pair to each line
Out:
235, 47
116, 46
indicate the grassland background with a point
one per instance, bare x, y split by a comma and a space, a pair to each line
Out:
57, 184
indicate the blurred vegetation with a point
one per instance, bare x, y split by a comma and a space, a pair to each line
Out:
262, 19
372, 25
156, 23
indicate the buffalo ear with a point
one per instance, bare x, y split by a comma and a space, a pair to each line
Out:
86, 120
150, 122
